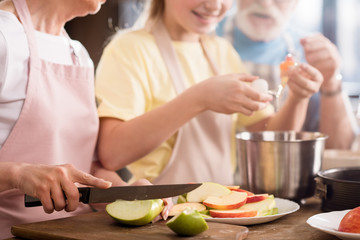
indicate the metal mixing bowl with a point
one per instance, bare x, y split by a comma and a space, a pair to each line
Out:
280, 163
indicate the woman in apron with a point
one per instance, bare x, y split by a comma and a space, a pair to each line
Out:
48, 118
171, 100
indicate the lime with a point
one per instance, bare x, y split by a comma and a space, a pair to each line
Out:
188, 223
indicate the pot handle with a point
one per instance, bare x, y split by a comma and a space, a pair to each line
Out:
321, 188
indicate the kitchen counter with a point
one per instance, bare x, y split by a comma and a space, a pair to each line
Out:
292, 226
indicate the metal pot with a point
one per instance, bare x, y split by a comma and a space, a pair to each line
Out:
280, 163
339, 188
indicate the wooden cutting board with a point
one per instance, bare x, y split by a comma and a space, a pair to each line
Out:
101, 226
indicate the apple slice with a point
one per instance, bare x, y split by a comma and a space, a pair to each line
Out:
257, 198
178, 208
205, 190
242, 190
135, 213
233, 187
264, 208
232, 200
236, 213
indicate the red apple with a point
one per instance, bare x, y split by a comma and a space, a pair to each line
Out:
242, 190
257, 198
232, 200
236, 213
351, 221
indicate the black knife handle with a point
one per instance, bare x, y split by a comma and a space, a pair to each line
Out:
35, 202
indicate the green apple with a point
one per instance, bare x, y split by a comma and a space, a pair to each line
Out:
264, 207
181, 199
206, 190
188, 223
135, 213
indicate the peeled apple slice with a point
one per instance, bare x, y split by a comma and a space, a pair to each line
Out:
135, 213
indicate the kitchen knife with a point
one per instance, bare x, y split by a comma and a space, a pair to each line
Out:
143, 192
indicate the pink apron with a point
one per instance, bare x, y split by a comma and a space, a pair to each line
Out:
202, 151
58, 124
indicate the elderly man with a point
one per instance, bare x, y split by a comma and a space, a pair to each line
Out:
260, 33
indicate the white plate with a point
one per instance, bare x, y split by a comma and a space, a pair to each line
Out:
285, 207
329, 223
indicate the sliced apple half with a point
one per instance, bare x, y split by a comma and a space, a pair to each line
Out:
236, 213
178, 208
243, 190
232, 200
205, 190
257, 198
135, 213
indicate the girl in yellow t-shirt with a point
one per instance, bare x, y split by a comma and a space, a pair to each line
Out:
170, 97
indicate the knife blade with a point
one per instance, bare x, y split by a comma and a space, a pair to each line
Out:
143, 192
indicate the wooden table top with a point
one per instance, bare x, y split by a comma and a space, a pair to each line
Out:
292, 226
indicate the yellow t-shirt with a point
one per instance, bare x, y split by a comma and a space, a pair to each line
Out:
132, 79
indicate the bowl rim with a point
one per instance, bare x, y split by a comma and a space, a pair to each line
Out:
322, 174
318, 136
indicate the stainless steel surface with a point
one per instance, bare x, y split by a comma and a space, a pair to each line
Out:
280, 163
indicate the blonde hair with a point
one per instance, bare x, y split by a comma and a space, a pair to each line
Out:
153, 11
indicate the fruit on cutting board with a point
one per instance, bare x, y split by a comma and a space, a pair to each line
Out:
235, 213
188, 223
229, 201
178, 208
205, 190
135, 213
351, 221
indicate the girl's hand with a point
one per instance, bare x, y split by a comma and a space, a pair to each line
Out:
304, 81
230, 94
49, 182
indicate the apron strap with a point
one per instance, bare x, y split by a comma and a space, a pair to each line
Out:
74, 56
168, 53
25, 18
205, 49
